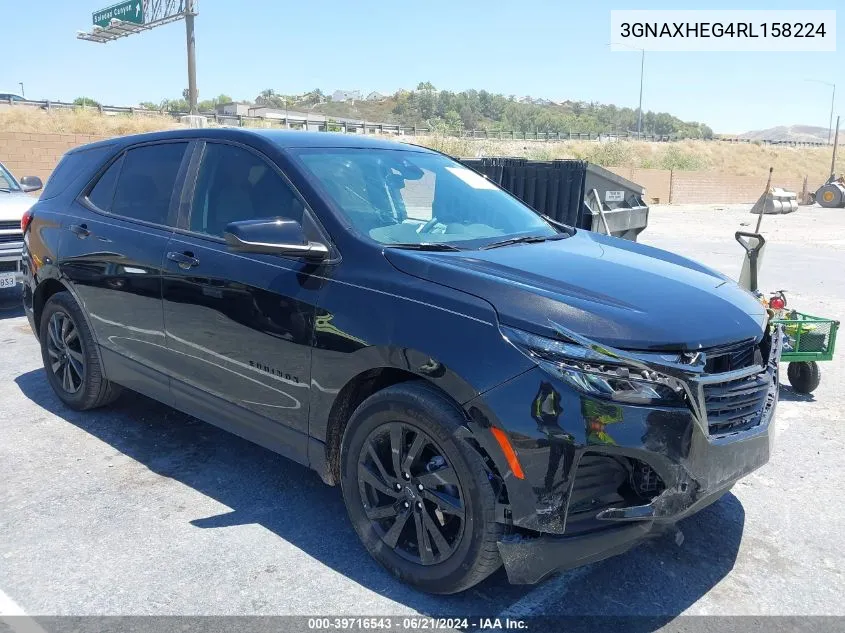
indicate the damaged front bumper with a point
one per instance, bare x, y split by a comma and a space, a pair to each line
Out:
600, 477
530, 559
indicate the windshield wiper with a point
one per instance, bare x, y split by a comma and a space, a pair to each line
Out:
424, 246
525, 239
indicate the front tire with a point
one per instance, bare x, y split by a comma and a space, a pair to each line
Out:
70, 355
419, 498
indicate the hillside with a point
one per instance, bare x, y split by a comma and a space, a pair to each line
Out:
443, 110
713, 156
796, 133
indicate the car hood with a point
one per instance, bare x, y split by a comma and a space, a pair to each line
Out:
614, 291
14, 204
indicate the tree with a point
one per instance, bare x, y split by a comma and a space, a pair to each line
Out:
174, 105
86, 102
211, 104
468, 117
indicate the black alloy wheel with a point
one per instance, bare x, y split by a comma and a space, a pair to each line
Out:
64, 349
411, 493
418, 493
71, 356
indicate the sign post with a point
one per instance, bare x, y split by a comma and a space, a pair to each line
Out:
131, 17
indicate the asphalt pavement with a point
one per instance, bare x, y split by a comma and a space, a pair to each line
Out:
138, 509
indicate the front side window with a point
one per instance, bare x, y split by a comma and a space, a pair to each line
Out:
145, 177
234, 184
407, 197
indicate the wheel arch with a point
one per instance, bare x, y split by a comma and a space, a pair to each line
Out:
46, 289
362, 386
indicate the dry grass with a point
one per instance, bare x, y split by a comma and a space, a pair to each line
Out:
714, 157
710, 156
80, 121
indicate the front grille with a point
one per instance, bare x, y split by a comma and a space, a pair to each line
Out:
6, 238
5, 225
597, 481
645, 480
737, 357
736, 405
8, 267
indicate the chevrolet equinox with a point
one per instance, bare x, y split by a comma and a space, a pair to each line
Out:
486, 385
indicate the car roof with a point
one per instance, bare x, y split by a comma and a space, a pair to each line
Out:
285, 139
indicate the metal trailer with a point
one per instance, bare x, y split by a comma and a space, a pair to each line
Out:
574, 192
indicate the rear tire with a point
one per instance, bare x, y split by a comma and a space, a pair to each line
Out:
804, 376
71, 357
425, 511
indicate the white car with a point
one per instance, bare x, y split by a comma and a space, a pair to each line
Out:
14, 202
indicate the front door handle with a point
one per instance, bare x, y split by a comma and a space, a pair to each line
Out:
185, 259
80, 230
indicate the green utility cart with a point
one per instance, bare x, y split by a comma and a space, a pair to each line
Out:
809, 339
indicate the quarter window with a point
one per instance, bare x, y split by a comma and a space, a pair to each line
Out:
102, 194
234, 184
142, 182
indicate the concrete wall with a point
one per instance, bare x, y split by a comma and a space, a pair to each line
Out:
31, 154
702, 187
657, 182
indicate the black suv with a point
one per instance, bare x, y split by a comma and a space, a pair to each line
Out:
486, 385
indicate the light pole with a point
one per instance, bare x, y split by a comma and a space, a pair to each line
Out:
23, 94
642, 73
832, 101
192, 56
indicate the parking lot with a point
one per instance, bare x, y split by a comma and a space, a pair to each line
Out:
139, 509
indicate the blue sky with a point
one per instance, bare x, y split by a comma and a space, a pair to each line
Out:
546, 48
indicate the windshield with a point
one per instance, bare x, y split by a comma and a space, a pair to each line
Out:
405, 197
7, 181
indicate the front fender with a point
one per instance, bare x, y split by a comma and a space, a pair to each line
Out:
438, 334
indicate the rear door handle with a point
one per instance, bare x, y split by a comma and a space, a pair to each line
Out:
80, 230
185, 260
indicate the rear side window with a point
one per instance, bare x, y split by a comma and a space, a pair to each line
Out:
145, 182
102, 194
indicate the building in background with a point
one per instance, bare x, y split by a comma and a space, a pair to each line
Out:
346, 95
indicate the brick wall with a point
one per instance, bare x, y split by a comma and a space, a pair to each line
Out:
704, 187
657, 182
33, 154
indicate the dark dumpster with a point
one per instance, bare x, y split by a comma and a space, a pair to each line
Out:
574, 192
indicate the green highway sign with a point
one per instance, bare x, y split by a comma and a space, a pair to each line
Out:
128, 11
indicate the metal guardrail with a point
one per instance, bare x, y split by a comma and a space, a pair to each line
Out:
325, 123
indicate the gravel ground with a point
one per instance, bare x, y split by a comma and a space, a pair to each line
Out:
139, 509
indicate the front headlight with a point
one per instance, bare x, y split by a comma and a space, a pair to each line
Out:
599, 374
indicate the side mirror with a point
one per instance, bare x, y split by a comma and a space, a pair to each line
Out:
273, 236
31, 183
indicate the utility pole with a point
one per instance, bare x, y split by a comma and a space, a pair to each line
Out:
23, 94
642, 74
830, 122
640, 117
192, 56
